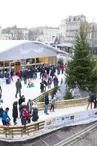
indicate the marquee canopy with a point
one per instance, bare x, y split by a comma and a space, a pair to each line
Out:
16, 50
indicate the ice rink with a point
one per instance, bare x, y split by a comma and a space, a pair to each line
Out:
9, 91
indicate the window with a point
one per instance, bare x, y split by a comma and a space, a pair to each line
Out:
74, 19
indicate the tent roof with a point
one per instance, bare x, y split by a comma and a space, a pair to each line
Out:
8, 44
18, 49
66, 45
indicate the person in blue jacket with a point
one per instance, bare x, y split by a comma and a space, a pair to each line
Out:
55, 80
5, 117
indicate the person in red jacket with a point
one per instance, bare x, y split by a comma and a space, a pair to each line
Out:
62, 68
18, 74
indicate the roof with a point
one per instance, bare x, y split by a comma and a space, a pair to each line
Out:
17, 49
66, 45
8, 44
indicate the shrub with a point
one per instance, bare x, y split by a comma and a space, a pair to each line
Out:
61, 62
68, 95
55, 91
41, 99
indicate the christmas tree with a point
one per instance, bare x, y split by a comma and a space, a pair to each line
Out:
81, 68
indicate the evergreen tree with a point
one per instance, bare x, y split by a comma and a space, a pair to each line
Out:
81, 67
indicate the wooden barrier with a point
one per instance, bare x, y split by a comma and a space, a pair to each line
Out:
42, 94
21, 130
65, 103
60, 104
34, 127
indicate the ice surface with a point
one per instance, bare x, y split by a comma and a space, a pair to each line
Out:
8, 93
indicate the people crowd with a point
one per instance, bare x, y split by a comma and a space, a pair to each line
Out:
28, 112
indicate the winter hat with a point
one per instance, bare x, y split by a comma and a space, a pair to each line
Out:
24, 103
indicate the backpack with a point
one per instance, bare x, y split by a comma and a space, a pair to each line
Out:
26, 115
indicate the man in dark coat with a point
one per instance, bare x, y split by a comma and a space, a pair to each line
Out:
25, 73
46, 104
15, 112
21, 100
18, 87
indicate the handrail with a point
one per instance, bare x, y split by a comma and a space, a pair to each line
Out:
34, 127
29, 128
37, 98
21, 130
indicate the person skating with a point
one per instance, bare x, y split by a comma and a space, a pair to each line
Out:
18, 87
52, 73
15, 112
21, 100
49, 82
5, 118
1, 100
11, 75
55, 81
62, 68
35, 116
25, 72
52, 104
46, 104
42, 86
29, 105
25, 116
91, 100
0, 91
1, 111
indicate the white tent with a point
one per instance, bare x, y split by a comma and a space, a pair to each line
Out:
16, 50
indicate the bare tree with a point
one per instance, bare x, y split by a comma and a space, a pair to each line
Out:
17, 35
13, 32
33, 34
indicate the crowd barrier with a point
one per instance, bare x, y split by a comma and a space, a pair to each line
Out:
60, 104
21, 130
42, 94
65, 103
34, 127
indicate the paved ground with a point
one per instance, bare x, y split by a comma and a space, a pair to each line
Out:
89, 140
55, 137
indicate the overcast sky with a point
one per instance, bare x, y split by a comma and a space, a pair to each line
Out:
33, 13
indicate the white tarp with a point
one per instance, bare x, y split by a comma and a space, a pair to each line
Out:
16, 50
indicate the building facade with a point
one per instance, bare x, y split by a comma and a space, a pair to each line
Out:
19, 33
49, 34
69, 27
92, 37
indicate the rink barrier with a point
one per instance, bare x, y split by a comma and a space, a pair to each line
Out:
65, 103
42, 95
60, 104
21, 130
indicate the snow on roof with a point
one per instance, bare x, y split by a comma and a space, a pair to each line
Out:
65, 45
8, 44
22, 49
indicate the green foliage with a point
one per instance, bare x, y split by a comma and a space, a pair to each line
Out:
68, 95
61, 62
55, 91
41, 99
81, 67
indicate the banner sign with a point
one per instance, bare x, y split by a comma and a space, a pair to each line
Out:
67, 120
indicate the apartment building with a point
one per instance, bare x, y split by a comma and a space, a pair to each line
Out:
92, 37
48, 35
69, 27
